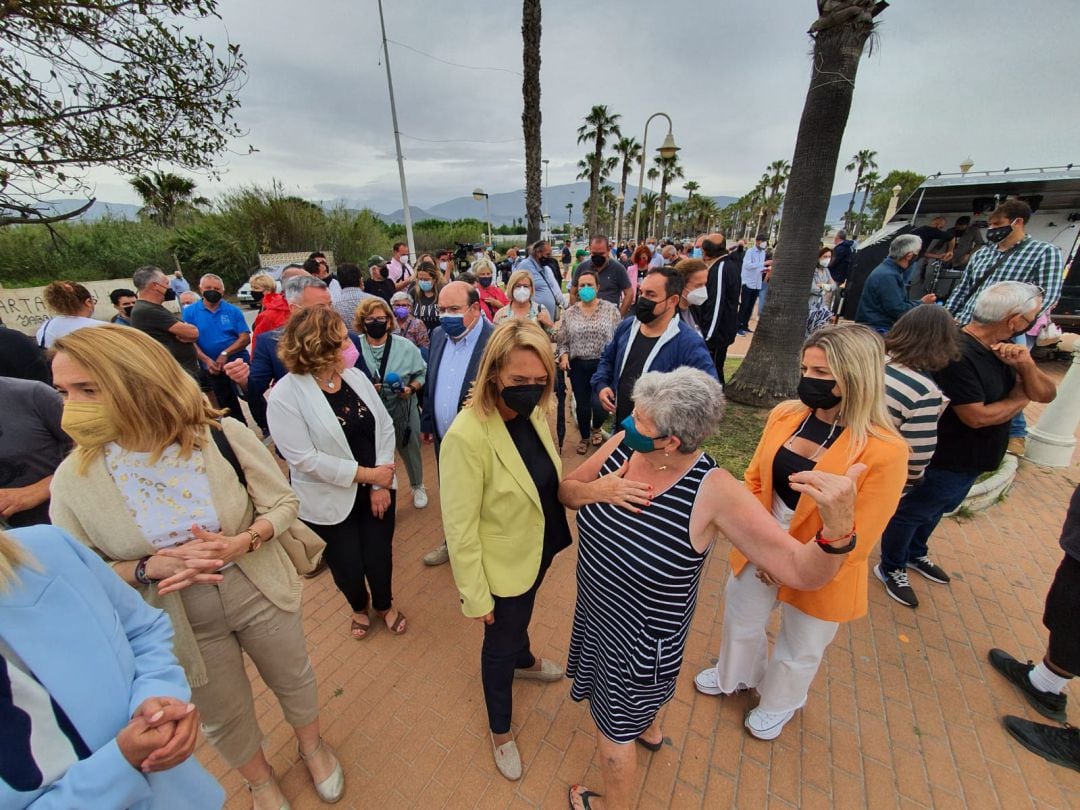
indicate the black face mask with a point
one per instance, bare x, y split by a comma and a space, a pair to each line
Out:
485, 281
645, 310
999, 234
256, 297
212, 296
598, 259
127, 310
169, 294
376, 329
523, 399
815, 393
1026, 328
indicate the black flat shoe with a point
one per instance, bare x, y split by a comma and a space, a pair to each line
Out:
652, 746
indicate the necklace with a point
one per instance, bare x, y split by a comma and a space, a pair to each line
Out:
328, 382
821, 447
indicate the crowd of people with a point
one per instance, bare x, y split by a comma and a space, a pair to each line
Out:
138, 451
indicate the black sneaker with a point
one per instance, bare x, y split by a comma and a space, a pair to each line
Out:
1058, 745
897, 586
1045, 703
934, 573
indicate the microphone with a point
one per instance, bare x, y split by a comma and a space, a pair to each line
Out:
393, 382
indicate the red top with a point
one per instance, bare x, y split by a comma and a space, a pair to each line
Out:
488, 294
275, 311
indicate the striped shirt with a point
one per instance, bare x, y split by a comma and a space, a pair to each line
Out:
915, 404
1029, 260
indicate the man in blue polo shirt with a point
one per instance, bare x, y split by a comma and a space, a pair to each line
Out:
223, 336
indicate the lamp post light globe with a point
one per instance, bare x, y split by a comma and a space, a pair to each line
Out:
479, 194
668, 148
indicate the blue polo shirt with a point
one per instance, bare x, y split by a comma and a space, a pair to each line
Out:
217, 330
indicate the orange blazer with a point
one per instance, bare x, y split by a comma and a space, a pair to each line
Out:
879, 489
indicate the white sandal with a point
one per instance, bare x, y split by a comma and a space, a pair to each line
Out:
332, 788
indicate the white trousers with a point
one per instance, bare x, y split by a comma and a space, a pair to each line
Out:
784, 680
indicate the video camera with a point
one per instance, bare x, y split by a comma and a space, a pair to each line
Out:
462, 256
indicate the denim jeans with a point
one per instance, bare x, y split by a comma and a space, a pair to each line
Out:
1018, 425
918, 514
590, 414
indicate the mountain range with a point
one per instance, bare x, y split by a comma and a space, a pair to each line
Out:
505, 206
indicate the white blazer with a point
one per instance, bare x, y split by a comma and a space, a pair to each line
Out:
309, 436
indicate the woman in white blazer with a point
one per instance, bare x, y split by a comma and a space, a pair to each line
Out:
330, 425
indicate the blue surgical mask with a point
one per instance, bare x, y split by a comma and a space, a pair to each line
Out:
587, 294
635, 439
696, 253
453, 325
426, 286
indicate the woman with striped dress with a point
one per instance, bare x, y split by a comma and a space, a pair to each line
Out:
650, 504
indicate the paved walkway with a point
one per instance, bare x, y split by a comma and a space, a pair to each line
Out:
904, 713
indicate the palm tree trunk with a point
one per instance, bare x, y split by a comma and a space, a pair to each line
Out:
530, 116
848, 221
594, 186
770, 371
663, 203
862, 207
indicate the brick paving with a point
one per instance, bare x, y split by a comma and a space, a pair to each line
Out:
904, 713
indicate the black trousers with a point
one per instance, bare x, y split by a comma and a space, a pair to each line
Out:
506, 648
590, 414
746, 306
359, 553
1062, 616
719, 356
223, 392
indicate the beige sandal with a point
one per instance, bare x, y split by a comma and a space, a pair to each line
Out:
269, 784
582, 448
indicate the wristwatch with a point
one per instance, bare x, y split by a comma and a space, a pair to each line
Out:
140, 573
828, 548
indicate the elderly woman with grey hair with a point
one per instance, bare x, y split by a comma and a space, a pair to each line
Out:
651, 504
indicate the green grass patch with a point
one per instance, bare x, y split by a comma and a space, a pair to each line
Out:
733, 445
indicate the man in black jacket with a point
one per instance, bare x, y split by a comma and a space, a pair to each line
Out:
718, 316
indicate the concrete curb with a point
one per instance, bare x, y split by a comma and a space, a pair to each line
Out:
985, 494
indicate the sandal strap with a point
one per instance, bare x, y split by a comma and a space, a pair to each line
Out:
270, 780
307, 757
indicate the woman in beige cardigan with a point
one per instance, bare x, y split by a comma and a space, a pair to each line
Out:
148, 489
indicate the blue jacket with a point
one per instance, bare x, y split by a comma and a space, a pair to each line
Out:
840, 266
99, 651
679, 346
435, 352
267, 369
884, 298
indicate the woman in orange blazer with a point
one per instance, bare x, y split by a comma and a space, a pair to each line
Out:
840, 419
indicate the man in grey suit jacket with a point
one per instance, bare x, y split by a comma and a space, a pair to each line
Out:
457, 345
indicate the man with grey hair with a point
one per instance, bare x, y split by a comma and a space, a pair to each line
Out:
224, 336
884, 297
993, 380
148, 315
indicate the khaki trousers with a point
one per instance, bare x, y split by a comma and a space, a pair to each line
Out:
233, 617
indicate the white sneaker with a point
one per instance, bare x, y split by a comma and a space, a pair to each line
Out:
419, 497
766, 725
437, 556
708, 682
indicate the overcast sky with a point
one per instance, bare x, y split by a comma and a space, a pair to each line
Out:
945, 80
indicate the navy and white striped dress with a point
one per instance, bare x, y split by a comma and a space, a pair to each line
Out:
637, 579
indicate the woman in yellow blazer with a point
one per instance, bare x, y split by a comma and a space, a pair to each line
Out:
839, 420
501, 512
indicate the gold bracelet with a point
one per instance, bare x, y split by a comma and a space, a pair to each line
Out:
256, 540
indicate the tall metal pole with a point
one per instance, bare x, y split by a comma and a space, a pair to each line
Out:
487, 207
641, 174
406, 213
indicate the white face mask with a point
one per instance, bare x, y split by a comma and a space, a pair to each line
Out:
697, 297
522, 294
442, 266
823, 262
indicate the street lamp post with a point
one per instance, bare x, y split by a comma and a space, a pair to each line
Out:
406, 212
667, 150
479, 194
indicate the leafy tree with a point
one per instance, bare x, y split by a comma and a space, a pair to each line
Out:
771, 369
599, 127
879, 199
530, 116
166, 197
864, 160
107, 83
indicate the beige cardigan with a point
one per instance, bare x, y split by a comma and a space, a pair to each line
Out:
92, 508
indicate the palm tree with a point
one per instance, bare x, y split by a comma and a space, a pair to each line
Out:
669, 169
530, 116
864, 160
166, 197
599, 127
778, 171
585, 169
570, 213
648, 201
704, 211
690, 186
770, 371
870, 182
761, 197
629, 151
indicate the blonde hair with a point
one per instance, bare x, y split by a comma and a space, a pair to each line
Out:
12, 557
66, 297
856, 357
312, 340
263, 282
517, 277
509, 335
367, 309
150, 400
482, 264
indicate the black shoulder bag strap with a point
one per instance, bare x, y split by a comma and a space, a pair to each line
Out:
992, 269
223, 446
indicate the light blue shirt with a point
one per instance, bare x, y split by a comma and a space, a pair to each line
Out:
453, 365
753, 267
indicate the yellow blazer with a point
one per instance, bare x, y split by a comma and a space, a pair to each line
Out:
879, 488
491, 510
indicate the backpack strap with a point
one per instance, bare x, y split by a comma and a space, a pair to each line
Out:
226, 449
